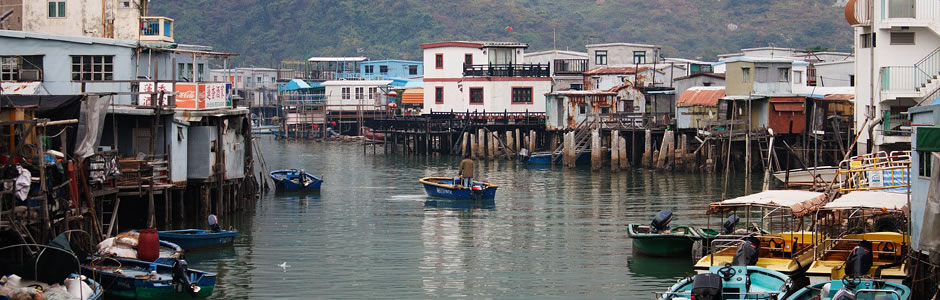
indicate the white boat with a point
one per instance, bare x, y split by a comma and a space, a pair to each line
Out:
821, 175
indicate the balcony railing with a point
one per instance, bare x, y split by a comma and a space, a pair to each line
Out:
570, 66
156, 29
925, 10
508, 70
902, 79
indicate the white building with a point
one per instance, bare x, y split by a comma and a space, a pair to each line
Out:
567, 67
896, 66
483, 76
353, 95
117, 19
258, 86
622, 54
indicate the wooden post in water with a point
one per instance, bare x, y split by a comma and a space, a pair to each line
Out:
615, 150
595, 149
463, 144
663, 151
647, 158
532, 143
481, 143
509, 144
518, 137
624, 162
491, 139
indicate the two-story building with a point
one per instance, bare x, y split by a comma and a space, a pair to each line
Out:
896, 67
566, 67
464, 76
117, 19
622, 54
762, 89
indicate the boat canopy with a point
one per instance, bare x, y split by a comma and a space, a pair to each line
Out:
870, 199
800, 203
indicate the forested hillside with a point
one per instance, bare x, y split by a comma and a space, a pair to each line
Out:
266, 31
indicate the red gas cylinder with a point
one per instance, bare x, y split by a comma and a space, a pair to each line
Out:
148, 245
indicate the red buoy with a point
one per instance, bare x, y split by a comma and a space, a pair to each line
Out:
148, 245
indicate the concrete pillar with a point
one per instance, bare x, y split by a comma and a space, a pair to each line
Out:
710, 161
646, 159
615, 150
568, 150
595, 149
666, 150
624, 162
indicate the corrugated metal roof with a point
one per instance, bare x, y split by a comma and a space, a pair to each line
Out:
413, 96
701, 96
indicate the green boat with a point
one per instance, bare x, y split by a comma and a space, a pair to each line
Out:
677, 241
658, 239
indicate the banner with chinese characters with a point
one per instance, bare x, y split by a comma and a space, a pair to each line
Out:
148, 88
201, 96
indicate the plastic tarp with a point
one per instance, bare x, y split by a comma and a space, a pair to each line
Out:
800, 203
870, 199
296, 84
930, 231
91, 125
928, 139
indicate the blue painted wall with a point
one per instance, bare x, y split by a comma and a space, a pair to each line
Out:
396, 69
924, 116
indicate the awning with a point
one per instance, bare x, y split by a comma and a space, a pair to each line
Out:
701, 96
800, 203
413, 96
870, 199
296, 84
791, 107
928, 139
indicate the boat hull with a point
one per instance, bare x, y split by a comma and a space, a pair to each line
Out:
190, 239
805, 177
679, 243
288, 180
443, 187
133, 283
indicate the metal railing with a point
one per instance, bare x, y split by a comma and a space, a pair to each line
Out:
508, 70
156, 27
902, 78
570, 66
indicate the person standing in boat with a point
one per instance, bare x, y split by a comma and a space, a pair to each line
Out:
466, 171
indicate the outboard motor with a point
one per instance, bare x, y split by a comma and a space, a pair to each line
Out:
706, 286
214, 223
181, 278
860, 260
661, 221
524, 155
747, 253
729, 224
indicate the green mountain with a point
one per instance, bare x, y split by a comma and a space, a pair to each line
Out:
265, 32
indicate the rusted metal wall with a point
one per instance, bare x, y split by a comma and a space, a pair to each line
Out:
787, 114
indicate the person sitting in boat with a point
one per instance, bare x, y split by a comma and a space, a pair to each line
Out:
466, 171
214, 223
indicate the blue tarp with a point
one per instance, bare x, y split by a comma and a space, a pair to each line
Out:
936, 101
298, 84
406, 83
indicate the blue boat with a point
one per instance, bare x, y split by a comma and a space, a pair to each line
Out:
536, 158
295, 180
198, 238
731, 282
861, 288
135, 279
444, 187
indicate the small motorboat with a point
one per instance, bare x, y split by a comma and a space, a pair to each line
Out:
452, 188
821, 175
856, 283
136, 279
659, 239
190, 239
541, 158
740, 280
295, 180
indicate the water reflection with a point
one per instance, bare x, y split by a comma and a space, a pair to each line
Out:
660, 267
460, 204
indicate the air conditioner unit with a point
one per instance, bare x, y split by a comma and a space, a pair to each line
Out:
30, 75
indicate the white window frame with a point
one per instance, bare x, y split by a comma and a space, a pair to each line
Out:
92, 67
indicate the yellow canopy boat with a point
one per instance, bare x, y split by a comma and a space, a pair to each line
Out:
784, 244
876, 216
